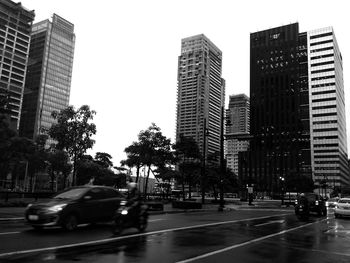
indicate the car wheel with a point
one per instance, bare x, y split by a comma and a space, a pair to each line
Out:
38, 227
143, 223
70, 222
336, 215
117, 226
325, 212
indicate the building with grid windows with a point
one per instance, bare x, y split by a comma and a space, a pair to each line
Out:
200, 95
15, 26
327, 110
237, 127
49, 74
297, 110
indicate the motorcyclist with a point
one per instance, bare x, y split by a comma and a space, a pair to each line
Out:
134, 198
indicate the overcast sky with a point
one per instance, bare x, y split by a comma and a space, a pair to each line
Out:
126, 51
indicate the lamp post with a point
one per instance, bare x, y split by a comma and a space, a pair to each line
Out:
222, 162
205, 134
282, 190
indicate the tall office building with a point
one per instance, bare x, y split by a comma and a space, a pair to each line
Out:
327, 108
297, 109
201, 93
49, 74
15, 26
279, 107
237, 129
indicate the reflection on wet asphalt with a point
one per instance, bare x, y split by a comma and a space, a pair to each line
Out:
322, 241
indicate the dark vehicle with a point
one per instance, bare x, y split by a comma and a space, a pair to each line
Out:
130, 215
74, 206
310, 203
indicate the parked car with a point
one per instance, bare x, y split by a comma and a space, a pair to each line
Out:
342, 208
332, 202
76, 205
312, 203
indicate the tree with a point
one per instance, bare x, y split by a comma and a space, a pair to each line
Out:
133, 153
73, 132
152, 149
6, 137
38, 160
59, 165
188, 159
103, 159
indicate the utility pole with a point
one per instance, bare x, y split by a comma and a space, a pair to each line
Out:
203, 179
222, 162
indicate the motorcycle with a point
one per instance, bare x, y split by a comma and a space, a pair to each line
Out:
130, 215
302, 211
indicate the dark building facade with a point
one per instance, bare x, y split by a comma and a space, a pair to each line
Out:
279, 110
49, 74
15, 26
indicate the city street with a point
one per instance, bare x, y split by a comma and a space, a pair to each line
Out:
244, 235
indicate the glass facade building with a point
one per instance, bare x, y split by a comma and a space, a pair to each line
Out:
298, 125
279, 108
15, 26
201, 93
49, 74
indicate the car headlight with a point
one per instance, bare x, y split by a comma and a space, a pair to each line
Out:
56, 208
28, 206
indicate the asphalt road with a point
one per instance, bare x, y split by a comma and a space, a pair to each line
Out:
250, 235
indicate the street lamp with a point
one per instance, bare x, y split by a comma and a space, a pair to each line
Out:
205, 134
282, 189
222, 162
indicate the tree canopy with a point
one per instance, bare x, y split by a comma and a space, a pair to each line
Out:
73, 132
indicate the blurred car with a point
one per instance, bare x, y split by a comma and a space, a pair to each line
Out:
332, 202
312, 203
76, 205
342, 208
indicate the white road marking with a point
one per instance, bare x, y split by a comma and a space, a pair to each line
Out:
9, 233
271, 222
246, 243
107, 240
153, 220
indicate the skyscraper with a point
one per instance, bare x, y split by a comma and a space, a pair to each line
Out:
327, 108
201, 92
15, 26
49, 74
279, 107
238, 116
297, 109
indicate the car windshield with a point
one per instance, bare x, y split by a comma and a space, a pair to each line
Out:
344, 201
332, 200
71, 193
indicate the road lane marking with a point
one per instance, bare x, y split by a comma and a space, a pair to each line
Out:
246, 243
112, 239
271, 222
153, 220
9, 233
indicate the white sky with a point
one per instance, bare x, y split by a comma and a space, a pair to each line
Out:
126, 51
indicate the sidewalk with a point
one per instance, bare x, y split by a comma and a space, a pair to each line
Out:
17, 213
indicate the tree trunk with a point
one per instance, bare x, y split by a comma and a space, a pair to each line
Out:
137, 173
189, 187
215, 193
183, 189
146, 183
74, 179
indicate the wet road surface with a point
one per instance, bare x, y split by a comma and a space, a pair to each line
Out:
239, 236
